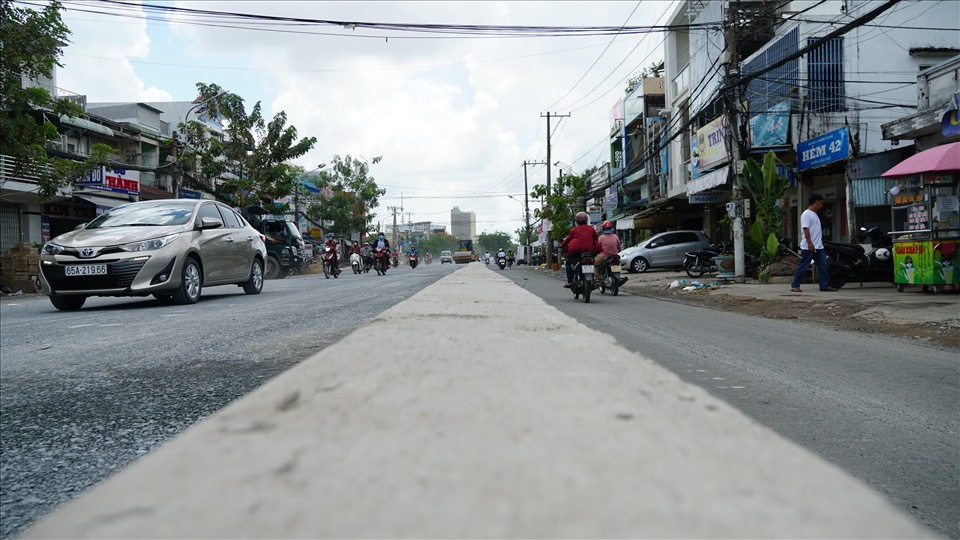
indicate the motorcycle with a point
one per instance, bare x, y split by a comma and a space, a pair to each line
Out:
851, 262
583, 274
700, 262
330, 263
381, 260
428, 258
393, 259
412, 260
608, 275
356, 263
486, 260
502, 262
510, 261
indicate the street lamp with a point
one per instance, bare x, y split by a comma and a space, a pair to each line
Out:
179, 173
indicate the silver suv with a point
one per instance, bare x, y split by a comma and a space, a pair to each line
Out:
663, 250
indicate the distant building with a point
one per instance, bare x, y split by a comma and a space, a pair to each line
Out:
463, 225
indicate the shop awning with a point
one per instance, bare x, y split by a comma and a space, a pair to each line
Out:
709, 180
102, 203
83, 123
942, 158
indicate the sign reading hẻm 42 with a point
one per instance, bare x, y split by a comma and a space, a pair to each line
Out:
826, 148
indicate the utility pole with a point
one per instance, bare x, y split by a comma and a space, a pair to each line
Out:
394, 209
549, 253
732, 98
527, 250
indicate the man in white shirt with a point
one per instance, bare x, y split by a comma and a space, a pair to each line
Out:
811, 246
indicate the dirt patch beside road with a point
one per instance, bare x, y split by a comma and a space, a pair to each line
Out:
831, 313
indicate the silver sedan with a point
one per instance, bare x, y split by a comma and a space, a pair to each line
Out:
170, 249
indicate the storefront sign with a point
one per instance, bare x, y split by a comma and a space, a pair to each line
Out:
827, 148
596, 214
113, 179
707, 197
770, 128
950, 123
712, 144
189, 194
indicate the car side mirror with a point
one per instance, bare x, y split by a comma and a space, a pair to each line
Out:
210, 223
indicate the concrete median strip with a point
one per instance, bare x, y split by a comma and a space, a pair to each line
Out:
474, 409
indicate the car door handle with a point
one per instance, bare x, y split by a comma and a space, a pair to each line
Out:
230, 240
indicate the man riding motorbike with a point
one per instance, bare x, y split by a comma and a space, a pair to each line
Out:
581, 239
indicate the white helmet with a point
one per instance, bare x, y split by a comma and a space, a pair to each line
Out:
882, 254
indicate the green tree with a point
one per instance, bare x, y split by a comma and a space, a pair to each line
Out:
493, 241
766, 188
256, 152
567, 198
354, 193
31, 48
435, 243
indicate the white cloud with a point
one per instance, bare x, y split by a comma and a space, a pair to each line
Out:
449, 116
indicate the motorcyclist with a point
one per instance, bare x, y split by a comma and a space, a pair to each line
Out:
581, 239
332, 244
355, 248
609, 243
486, 258
501, 254
381, 241
367, 254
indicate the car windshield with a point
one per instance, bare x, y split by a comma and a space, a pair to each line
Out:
145, 215
293, 230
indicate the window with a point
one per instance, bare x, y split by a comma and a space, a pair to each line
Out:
825, 76
230, 218
688, 237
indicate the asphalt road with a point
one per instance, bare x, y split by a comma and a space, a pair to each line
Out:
83, 394
883, 409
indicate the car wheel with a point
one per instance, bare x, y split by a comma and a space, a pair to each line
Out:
191, 283
284, 272
68, 303
255, 284
639, 265
272, 268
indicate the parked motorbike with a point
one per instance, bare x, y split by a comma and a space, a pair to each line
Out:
608, 275
700, 262
330, 263
502, 262
583, 274
381, 260
412, 260
356, 263
851, 262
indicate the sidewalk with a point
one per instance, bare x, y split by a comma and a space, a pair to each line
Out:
872, 302
575, 437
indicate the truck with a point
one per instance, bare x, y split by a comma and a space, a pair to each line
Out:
285, 248
466, 253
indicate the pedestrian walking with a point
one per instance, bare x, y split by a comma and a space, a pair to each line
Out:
811, 246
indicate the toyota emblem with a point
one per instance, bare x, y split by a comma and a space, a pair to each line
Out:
88, 252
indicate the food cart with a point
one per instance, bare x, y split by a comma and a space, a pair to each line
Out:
926, 217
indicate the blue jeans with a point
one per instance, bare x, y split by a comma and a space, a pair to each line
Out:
820, 257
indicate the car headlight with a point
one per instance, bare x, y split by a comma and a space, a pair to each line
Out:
149, 245
51, 249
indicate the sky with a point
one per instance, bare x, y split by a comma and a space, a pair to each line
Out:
453, 117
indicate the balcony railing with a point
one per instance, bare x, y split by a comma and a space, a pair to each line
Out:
682, 83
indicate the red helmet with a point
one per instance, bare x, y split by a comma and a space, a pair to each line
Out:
606, 225
582, 217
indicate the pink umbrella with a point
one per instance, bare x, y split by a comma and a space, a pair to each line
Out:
938, 159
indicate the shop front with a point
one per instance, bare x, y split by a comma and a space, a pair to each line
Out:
822, 162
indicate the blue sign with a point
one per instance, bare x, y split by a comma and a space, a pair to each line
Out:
827, 148
770, 128
189, 194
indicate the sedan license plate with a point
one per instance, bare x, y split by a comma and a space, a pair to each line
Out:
85, 270
615, 268
587, 269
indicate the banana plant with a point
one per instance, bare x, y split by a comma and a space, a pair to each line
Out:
766, 188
